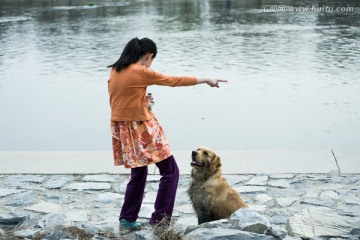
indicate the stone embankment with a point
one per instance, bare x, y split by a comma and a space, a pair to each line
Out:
282, 206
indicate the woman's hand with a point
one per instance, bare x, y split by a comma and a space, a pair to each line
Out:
210, 81
215, 82
150, 99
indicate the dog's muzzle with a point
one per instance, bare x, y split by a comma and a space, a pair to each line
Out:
195, 163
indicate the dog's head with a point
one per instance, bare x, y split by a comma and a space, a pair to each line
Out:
206, 159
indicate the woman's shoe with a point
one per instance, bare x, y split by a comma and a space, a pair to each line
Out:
125, 225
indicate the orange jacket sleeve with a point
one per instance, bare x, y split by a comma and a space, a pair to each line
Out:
155, 78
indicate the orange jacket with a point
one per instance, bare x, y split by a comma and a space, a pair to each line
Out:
127, 90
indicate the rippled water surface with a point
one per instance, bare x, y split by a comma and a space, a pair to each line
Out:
293, 77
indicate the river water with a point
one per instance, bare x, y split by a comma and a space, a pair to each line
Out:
294, 77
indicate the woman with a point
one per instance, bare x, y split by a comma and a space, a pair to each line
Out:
138, 139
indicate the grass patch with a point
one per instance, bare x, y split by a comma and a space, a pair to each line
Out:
168, 230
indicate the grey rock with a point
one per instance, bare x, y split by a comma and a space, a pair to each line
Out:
279, 183
258, 181
92, 186
286, 202
222, 223
120, 188
288, 192
351, 201
356, 232
153, 178
235, 179
262, 198
282, 176
154, 186
78, 215
99, 178
279, 219
20, 180
8, 191
251, 189
29, 222
223, 234
146, 210
98, 237
317, 202
187, 208
334, 186
318, 222
92, 230
258, 208
57, 234
150, 197
329, 195
145, 234
184, 181
56, 182
21, 199
27, 233
248, 220
292, 238
48, 222
65, 199
278, 232
182, 196
45, 207
187, 221
12, 218
108, 197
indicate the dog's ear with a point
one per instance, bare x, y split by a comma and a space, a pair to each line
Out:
215, 163
218, 161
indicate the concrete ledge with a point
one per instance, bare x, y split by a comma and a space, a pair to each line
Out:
234, 162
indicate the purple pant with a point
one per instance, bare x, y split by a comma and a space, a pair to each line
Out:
164, 203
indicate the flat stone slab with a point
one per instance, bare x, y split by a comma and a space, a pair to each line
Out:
45, 207
258, 181
187, 221
318, 222
150, 197
56, 182
286, 202
78, 215
21, 180
186, 208
108, 197
92, 186
222, 234
262, 198
251, 189
99, 178
282, 183
282, 176
8, 191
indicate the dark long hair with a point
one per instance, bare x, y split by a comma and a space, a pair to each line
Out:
133, 51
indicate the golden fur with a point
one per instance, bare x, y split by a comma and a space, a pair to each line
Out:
212, 197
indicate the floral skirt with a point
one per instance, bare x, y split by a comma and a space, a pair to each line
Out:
139, 143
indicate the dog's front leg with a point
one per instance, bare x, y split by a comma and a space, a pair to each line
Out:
204, 216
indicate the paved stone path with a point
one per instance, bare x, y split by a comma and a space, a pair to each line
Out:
306, 205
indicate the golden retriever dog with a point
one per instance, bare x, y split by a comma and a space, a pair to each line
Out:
211, 195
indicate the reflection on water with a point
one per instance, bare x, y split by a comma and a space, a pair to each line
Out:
294, 77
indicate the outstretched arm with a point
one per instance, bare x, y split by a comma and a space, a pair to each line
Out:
211, 81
